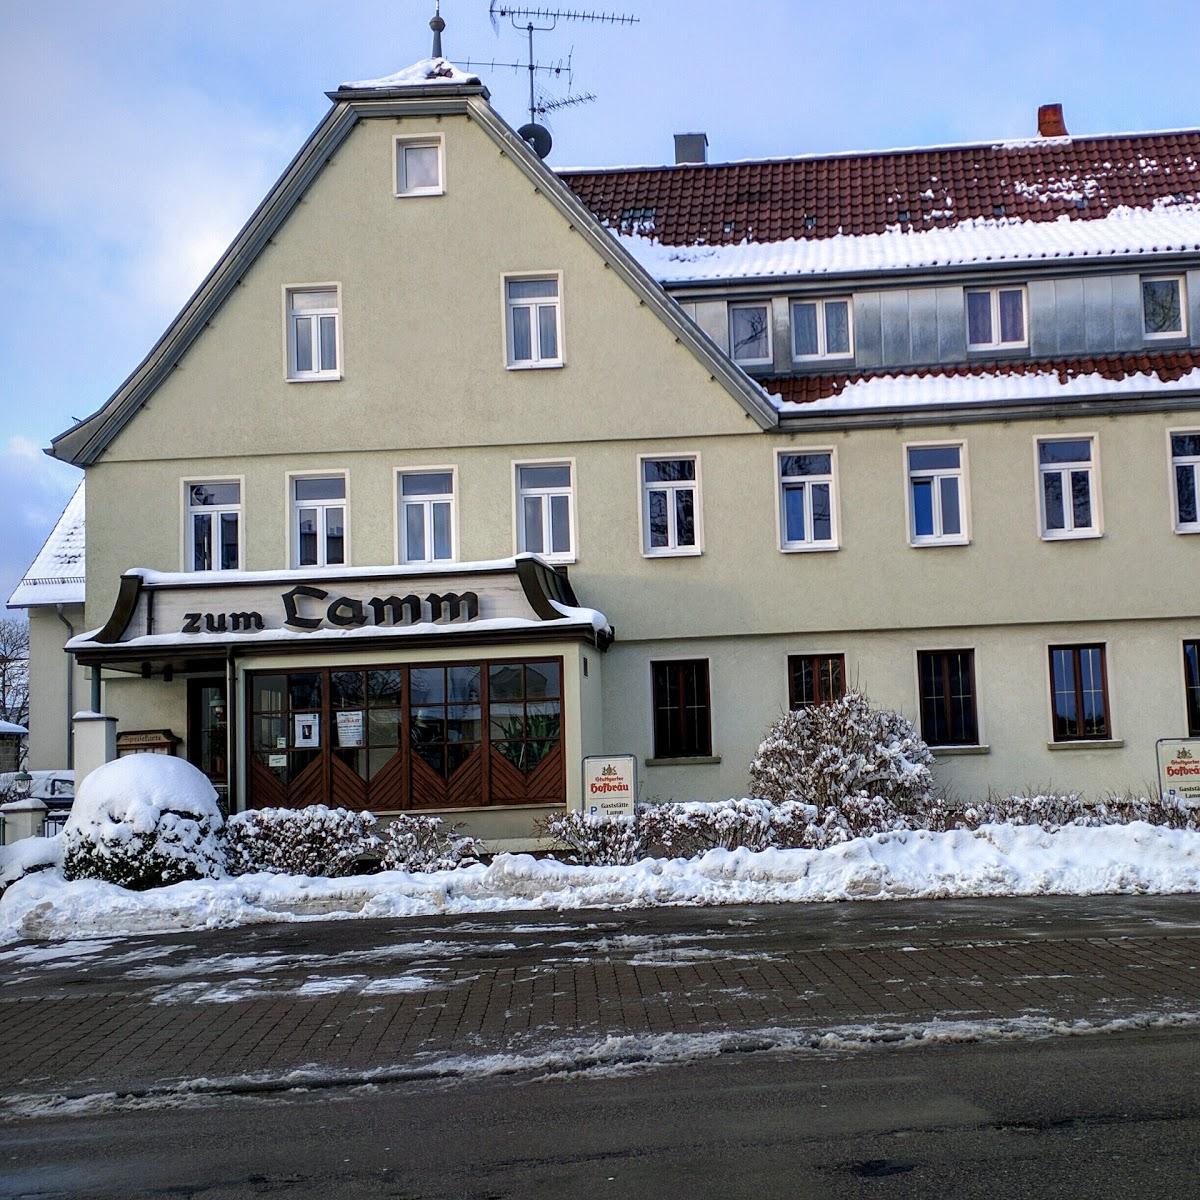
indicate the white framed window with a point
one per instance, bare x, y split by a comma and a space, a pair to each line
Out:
426, 517
1164, 307
533, 321
822, 328
546, 509
319, 525
1185, 477
420, 166
937, 508
314, 338
1067, 494
670, 505
750, 333
213, 525
996, 318
807, 499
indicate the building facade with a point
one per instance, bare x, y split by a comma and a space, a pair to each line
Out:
456, 470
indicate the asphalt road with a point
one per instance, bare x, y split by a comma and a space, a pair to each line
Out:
1038, 1047
1109, 1116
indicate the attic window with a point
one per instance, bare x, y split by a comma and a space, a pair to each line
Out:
638, 220
419, 166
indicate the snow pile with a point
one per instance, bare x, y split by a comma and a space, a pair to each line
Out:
420, 74
28, 855
994, 860
143, 821
847, 751
416, 842
1167, 226
314, 840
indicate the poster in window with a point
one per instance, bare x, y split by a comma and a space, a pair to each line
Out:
307, 730
350, 728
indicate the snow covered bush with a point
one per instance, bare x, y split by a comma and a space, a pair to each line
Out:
846, 756
315, 840
144, 821
685, 830
28, 855
596, 840
417, 842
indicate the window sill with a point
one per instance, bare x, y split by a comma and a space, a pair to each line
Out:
314, 378
689, 553
814, 549
1097, 744
1183, 531
816, 360
711, 760
1008, 349
415, 194
1089, 535
955, 751
931, 545
535, 366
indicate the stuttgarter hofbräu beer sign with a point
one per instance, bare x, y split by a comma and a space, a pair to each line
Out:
610, 785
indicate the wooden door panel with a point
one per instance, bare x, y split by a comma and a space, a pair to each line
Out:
347, 789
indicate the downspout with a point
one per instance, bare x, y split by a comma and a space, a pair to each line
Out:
231, 709
58, 608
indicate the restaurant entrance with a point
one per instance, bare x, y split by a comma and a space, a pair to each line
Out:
396, 738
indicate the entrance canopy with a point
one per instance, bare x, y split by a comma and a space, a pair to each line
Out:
190, 621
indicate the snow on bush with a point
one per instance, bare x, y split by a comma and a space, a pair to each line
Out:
596, 840
144, 821
417, 842
27, 856
315, 840
845, 756
685, 830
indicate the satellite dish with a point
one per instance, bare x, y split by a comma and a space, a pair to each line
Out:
538, 137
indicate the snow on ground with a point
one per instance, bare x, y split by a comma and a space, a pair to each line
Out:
995, 860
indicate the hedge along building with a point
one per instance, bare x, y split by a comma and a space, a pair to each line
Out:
747, 432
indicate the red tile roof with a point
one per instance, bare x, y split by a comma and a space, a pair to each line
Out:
812, 198
1169, 366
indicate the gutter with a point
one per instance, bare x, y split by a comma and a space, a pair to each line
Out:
58, 610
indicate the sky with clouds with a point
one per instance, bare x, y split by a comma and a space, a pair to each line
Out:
141, 134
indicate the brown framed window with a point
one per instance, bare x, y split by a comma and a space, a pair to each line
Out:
1191, 685
815, 679
948, 714
682, 716
1079, 693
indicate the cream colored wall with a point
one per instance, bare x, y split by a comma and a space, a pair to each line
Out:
749, 690
48, 714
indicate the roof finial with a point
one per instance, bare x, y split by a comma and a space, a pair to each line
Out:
437, 25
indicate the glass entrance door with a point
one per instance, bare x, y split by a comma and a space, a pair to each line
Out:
208, 731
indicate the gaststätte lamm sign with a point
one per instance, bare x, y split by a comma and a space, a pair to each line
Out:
610, 785
1179, 768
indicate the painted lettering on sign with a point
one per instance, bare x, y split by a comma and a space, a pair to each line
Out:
1179, 768
310, 608
610, 785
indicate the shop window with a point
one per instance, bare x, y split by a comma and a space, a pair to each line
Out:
1079, 693
319, 521
534, 322
670, 506
367, 717
682, 716
1067, 491
936, 495
426, 516
545, 517
214, 518
313, 333
1185, 474
1191, 685
947, 680
525, 711
807, 501
815, 679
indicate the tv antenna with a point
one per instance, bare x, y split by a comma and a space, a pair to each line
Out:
543, 20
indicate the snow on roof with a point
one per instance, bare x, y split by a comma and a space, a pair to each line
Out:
420, 74
11, 727
1167, 227
56, 575
921, 390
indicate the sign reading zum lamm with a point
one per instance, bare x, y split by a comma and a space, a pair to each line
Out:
610, 785
1179, 768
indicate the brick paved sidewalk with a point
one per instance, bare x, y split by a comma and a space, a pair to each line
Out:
361, 994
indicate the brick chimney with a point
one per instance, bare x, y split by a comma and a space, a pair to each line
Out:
1050, 121
691, 147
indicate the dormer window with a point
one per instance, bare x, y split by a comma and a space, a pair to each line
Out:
419, 166
822, 329
1163, 307
750, 334
996, 318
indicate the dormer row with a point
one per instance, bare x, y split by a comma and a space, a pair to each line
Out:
872, 328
